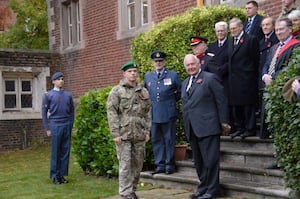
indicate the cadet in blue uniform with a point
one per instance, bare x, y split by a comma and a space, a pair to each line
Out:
58, 125
164, 87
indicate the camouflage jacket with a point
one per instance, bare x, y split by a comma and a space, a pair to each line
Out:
129, 112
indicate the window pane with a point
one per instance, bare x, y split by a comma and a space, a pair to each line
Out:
145, 12
26, 101
10, 101
26, 86
78, 23
10, 85
70, 24
131, 17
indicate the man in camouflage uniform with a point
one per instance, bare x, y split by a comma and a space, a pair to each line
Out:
129, 118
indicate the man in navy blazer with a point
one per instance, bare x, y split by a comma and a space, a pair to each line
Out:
243, 52
265, 44
164, 87
252, 25
205, 115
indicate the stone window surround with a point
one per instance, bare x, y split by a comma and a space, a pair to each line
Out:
123, 19
38, 77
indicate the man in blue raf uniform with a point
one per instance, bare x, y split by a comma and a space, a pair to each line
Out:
58, 125
164, 87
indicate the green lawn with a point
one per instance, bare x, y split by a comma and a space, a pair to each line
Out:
25, 175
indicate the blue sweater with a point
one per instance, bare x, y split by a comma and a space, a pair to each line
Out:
60, 105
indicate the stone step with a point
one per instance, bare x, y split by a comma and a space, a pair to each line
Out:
248, 143
229, 186
257, 158
259, 175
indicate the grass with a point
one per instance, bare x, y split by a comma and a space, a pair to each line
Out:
25, 175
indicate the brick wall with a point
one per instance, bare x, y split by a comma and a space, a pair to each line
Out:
20, 134
97, 64
12, 132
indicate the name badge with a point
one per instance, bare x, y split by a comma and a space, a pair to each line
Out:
167, 82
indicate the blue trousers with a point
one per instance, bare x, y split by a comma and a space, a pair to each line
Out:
60, 150
163, 142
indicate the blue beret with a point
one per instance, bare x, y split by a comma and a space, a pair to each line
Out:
158, 55
56, 75
128, 65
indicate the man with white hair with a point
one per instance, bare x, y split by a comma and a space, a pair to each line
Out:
218, 64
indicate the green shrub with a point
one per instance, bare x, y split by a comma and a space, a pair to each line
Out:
172, 36
92, 144
284, 119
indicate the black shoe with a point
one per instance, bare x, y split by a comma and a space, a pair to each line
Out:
235, 134
206, 196
168, 172
272, 166
156, 171
63, 180
56, 181
197, 194
247, 134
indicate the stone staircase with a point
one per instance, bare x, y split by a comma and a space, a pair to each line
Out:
242, 172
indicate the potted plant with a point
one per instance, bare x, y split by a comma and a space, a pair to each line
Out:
181, 141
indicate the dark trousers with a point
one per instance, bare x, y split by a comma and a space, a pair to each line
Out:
264, 133
206, 155
163, 142
244, 118
60, 150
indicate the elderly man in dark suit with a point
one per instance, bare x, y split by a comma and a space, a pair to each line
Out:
252, 25
164, 87
218, 63
205, 115
281, 52
243, 51
265, 44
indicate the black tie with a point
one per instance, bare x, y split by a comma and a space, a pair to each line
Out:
236, 39
158, 75
191, 85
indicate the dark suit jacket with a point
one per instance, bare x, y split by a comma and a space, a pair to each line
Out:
163, 99
264, 49
206, 107
218, 64
256, 27
243, 70
281, 60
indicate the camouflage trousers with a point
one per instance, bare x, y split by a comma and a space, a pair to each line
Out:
131, 157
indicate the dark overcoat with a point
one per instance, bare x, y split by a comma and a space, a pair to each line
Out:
243, 61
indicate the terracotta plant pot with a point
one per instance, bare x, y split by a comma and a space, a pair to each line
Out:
180, 152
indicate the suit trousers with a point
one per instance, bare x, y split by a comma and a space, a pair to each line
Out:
206, 155
60, 150
244, 118
163, 137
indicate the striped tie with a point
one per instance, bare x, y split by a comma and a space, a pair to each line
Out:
248, 26
274, 59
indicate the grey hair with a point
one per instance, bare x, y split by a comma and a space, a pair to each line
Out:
236, 20
295, 14
221, 23
191, 55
